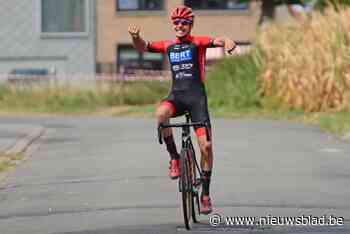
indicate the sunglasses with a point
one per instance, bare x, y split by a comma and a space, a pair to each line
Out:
182, 22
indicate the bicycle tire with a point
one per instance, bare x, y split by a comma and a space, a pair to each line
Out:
186, 190
193, 178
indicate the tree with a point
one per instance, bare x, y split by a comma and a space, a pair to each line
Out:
267, 11
321, 4
268, 8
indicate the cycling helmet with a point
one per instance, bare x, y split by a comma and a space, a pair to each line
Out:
182, 12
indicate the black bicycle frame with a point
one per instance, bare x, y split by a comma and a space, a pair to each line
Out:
192, 185
186, 136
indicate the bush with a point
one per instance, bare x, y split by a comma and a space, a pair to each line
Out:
306, 65
322, 4
232, 83
66, 98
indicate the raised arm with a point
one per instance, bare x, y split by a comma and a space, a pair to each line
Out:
137, 40
227, 43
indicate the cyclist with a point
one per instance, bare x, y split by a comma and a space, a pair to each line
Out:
187, 60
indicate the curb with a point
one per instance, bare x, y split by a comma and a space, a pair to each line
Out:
21, 145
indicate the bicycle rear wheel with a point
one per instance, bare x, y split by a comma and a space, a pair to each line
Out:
186, 189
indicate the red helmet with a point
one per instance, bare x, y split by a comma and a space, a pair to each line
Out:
182, 12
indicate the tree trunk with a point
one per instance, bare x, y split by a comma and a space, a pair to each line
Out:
267, 11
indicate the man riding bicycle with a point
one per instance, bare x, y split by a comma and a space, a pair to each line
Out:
187, 60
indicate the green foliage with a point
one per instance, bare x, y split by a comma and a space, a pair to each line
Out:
321, 4
336, 122
4, 165
232, 83
3, 92
9, 160
143, 92
61, 99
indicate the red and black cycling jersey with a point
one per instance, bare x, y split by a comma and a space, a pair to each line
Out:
187, 60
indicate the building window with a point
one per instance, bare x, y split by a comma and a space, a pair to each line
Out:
136, 5
128, 60
63, 16
217, 4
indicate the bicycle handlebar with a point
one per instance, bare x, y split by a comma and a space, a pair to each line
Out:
182, 125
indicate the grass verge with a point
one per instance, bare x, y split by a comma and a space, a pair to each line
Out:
231, 94
59, 99
334, 123
7, 161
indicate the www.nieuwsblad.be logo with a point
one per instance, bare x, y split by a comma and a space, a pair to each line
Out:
269, 220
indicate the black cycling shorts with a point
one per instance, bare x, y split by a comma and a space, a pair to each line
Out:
196, 104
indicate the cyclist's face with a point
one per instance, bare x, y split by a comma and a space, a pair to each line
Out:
182, 27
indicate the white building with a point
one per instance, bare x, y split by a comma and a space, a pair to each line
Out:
57, 35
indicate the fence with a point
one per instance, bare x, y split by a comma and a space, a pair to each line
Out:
82, 80
86, 80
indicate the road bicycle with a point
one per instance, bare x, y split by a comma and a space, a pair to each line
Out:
190, 179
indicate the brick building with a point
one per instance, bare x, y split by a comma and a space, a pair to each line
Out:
231, 18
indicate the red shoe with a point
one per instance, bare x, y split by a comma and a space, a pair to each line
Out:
174, 171
206, 207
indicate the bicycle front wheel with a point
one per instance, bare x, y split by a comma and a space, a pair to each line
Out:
186, 189
193, 178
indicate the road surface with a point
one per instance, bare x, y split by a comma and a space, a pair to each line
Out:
109, 175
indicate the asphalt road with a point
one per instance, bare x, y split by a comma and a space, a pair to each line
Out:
109, 175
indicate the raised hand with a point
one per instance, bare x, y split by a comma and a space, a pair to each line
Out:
134, 31
230, 45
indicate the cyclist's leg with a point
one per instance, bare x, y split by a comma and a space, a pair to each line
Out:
206, 150
168, 108
199, 112
163, 113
